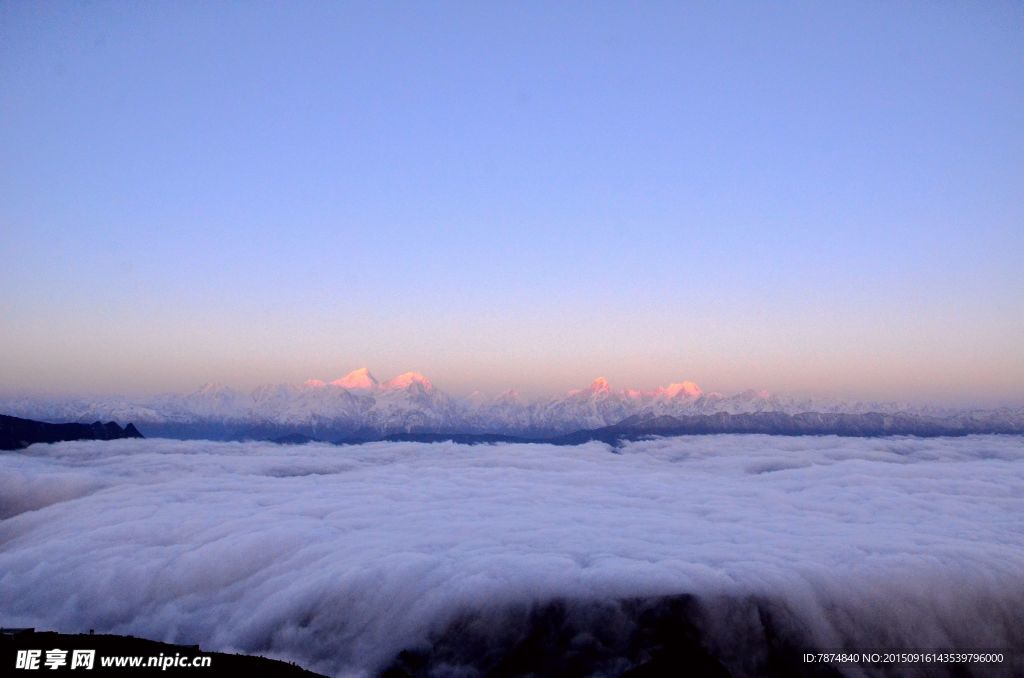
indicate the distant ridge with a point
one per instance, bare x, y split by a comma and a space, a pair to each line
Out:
358, 407
870, 424
17, 433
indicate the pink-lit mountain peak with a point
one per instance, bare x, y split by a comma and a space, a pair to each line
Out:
684, 389
360, 378
404, 381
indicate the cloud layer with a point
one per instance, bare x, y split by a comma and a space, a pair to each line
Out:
339, 557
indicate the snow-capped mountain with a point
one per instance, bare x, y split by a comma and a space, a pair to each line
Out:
358, 405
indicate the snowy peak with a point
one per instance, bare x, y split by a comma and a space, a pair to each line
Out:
684, 389
408, 379
361, 379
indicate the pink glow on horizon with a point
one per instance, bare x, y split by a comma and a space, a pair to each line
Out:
363, 379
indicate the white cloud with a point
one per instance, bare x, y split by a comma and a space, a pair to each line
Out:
338, 557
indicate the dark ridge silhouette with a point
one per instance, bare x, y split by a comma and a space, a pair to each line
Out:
221, 664
17, 433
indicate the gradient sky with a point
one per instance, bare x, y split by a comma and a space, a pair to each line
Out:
803, 197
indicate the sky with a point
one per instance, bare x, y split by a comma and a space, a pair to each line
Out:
820, 198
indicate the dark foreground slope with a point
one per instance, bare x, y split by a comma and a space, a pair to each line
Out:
17, 433
643, 637
107, 647
569, 638
680, 635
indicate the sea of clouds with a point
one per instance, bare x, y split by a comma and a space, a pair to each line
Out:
339, 557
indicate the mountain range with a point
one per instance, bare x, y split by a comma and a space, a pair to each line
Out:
358, 406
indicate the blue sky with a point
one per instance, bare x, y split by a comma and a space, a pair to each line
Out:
803, 197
